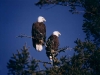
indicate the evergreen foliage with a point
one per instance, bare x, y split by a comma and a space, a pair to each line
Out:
20, 64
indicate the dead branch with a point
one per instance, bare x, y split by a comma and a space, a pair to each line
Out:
23, 35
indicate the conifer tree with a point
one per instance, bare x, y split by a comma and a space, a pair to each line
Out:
20, 64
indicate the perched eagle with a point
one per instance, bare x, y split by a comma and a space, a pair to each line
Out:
39, 33
52, 44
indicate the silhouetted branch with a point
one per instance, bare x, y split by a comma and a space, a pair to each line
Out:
72, 3
42, 61
63, 49
51, 7
23, 35
63, 3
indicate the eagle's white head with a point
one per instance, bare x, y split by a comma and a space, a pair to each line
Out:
57, 33
41, 19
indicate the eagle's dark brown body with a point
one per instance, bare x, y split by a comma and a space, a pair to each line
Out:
52, 45
38, 33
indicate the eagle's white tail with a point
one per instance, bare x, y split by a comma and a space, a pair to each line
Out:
50, 57
39, 47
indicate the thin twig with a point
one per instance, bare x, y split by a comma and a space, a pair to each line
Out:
23, 35
50, 7
42, 61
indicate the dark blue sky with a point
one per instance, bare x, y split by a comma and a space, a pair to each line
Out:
17, 16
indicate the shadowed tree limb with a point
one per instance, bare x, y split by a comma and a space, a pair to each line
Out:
23, 35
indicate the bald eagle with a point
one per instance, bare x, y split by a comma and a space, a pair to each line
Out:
52, 44
39, 33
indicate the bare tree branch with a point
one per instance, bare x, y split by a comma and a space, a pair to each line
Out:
23, 35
